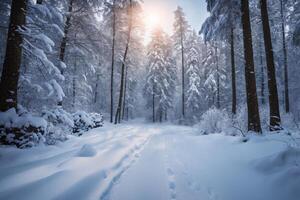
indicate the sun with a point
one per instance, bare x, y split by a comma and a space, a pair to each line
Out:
152, 21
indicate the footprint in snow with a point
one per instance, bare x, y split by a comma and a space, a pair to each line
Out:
172, 185
211, 194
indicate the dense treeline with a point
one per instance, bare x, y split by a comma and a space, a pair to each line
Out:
91, 55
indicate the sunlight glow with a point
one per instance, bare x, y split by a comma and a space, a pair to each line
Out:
152, 20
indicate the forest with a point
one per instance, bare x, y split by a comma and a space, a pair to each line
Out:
114, 99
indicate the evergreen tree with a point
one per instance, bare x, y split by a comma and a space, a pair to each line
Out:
161, 75
181, 28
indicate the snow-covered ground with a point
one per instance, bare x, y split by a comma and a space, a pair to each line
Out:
153, 162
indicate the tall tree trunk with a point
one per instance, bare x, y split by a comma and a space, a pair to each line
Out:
183, 72
218, 77
160, 116
275, 121
96, 89
125, 91
74, 82
233, 78
286, 77
13, 56
166, 115
252, 102
64, 41
153, 104
262, 71
119, 108
112, 63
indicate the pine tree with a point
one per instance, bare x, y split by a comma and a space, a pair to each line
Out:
161, 75
180, 33
194, 94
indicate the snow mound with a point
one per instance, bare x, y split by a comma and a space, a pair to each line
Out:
276, 163
285, 168
87, 150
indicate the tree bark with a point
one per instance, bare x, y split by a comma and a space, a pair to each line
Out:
286, 77
153, 104
74, 83
125, 91
119, 108
13, 56
112, 63
233, 75
64, 41
218, 77
262, 71
96, 89
183, 71
275, 121
252, 102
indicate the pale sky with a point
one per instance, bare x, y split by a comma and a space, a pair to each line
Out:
195, 11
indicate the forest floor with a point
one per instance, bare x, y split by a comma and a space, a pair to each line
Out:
138, 161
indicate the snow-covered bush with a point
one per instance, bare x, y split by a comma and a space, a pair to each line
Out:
215, 121
60, 124
25, 130
21, 129
84, 122
59, 118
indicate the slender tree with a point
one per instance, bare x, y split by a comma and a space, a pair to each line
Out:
252, 102
181, 28
275, 121
217, 76
285, 62
121, 95
233, 75
13, 56
112, 61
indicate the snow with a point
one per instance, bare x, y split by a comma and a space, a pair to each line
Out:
87, 151
137, 161
11, 119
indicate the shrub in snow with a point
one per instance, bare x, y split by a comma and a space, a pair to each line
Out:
240, 120
215, 121
60, 124
97, 119
21, 129
59, 118
25, 130
84, 122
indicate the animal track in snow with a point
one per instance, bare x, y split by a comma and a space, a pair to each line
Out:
172, 185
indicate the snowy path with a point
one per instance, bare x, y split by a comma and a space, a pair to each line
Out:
142, 162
